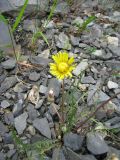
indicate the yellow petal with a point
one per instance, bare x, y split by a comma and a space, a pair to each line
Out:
62, 77
53, 66
65, 56
71, 68
70, 75
55, 58
71, 60
52, 72
61, 57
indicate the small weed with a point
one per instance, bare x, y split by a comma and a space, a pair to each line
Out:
109, 132
39, 31
90, 50
20, 145
72, 109
86, 22
39, 34
42, 147
84, 25
116, 75
38, 148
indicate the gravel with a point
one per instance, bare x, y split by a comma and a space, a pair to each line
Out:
21, 123
73, 141
9, 64
96, 144
82, 66
42, 126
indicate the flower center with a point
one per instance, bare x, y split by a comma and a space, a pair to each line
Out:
62, 67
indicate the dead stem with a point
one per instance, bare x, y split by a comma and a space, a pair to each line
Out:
92, 114
12, 43
57, 113
63, 100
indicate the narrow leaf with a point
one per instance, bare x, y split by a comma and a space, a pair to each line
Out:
40, 34
15, 25
2, 18
88, 21
51, 12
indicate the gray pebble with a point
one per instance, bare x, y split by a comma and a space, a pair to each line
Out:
96, 144
5, 104
42, 126
20, 122
73, 141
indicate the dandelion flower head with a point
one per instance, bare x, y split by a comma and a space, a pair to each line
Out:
63, 65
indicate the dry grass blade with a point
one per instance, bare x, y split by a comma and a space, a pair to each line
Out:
78, 128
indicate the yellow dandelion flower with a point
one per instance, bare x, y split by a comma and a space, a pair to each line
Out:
62, 66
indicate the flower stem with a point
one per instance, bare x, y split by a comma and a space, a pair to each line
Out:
63, 100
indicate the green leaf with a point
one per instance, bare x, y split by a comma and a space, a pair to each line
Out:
2, 18
15, 25
51, 12
87, 21
40, 34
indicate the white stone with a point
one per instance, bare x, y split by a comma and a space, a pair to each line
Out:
113, 40
78, 21
116, 13
112, 85
98, 53
5, 104
107, 25
45, 53
39, 104
83, 65
31, 130
50, 25
62, 41
43, 89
